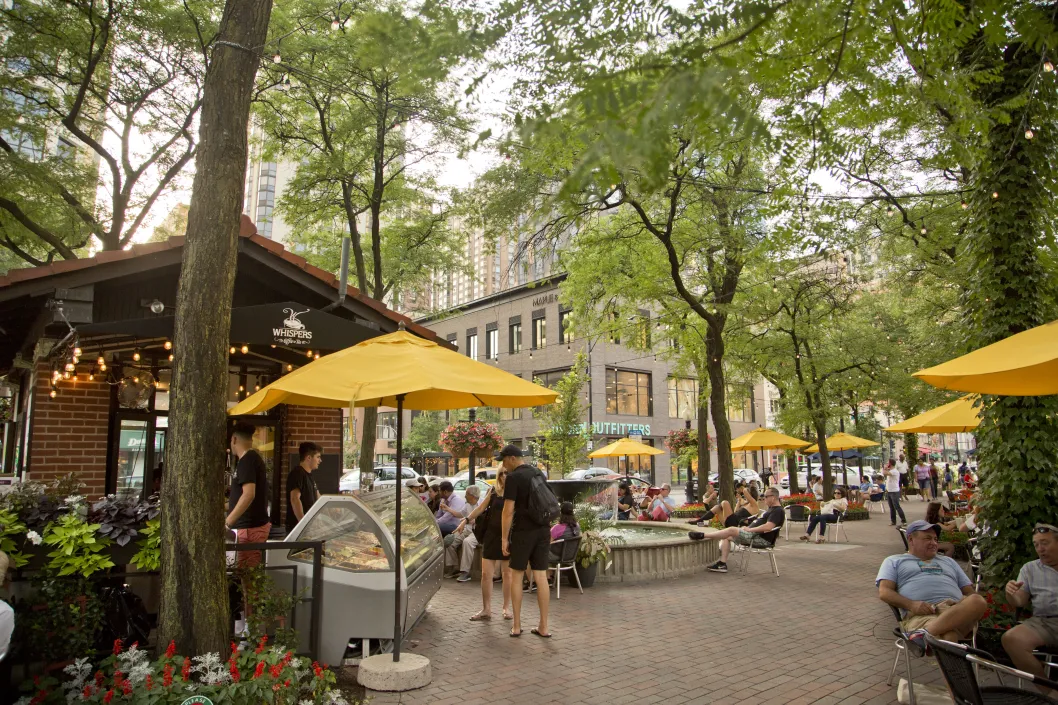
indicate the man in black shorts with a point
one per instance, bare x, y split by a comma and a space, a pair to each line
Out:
762, 533
526, 542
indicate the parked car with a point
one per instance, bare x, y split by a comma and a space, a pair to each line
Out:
850, 478
479, 473
589, 473
386, 476
349, 482
742, 475
459, 487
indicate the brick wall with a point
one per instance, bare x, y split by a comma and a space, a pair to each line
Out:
69, 432
300, 424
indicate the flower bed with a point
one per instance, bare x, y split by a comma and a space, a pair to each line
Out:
251, 675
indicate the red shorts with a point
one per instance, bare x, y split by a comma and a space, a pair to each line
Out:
255, 534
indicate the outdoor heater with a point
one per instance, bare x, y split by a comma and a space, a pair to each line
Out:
359, 569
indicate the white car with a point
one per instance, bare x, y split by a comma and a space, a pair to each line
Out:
349, 482
386, 476
589, 473
742, 475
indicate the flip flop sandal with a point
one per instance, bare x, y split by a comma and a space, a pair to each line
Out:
805, 538
540, 634
481, 617
508, 616
515, 635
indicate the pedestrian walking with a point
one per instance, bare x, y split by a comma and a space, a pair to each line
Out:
892, 492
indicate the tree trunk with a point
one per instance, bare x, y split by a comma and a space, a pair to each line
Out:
911, 450
714, 348
704, 463
194, 595
820, 426
791, 470
367, 444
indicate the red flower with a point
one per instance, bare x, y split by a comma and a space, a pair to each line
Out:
167, 675
185, 671
234, 670
170, 651
99, 678
276, 670
86, 693
316, 669
150, 682
286, 683
117, 679
126, 688
261, 644
108, 697
117, 646
259, 671
286, 657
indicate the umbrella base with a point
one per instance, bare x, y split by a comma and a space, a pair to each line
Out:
381, 673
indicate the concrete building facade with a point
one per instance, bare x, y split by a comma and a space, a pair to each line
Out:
524, 330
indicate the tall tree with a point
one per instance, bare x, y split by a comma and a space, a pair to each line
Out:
91, 140
363, 103
194, 595
565, 436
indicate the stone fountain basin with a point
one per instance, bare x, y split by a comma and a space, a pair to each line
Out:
669, 554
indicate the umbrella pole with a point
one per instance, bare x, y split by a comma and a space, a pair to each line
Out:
398, 563
628, 469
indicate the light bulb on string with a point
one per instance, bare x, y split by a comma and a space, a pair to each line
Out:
77, 352
91, 376
135, 380
244, 349
241, 387
290, 368
102, 367
232, 350
1029, 134
335, 24
69, 367
964, 205
308, 353
76, 359
66, 375
170, 357
277, 58
100, 360
995, 194
1048, 66
136, 356
889, 210
168, 345
923, 230
53, 393
316, 356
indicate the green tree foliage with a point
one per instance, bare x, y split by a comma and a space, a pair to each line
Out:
97, 116
424, 434
565, 437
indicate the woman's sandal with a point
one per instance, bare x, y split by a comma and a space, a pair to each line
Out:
805, 538
515, 635
507, 615
540, 634
821, 540
481, 617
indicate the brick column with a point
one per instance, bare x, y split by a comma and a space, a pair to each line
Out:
304, 423
69, 433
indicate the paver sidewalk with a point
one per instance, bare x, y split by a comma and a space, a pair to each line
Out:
816, 634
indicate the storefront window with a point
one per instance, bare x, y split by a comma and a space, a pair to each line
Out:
641, 464
746, 459
628, 393
387, 426
683, 397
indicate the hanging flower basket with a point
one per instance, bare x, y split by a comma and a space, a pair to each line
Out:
465, 437
681, 439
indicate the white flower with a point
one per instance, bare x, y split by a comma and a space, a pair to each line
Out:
213, 670
79, 671
73, 500
34, 538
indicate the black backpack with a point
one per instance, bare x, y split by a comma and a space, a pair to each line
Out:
543, 505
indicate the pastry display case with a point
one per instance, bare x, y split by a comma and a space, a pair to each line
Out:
358, 566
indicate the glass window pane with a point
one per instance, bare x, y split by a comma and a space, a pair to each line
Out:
132, 457
352, 543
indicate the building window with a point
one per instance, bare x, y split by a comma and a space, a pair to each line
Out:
266, 198
539, 333
492, 343
615, 330
515, 334
386, 429
740, 405
453, 339
628, 393
510, 414
472, 346
565, 327
643, 330
683, 397
550, 378
746, 459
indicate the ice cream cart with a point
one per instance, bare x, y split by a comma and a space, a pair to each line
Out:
358, 565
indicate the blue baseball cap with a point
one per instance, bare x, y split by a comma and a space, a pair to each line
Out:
922, 525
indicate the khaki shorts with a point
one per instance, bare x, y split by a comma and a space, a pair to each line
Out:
1046, 627
915, 622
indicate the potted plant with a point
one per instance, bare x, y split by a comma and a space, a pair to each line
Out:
593, 547
464, 438
998, 619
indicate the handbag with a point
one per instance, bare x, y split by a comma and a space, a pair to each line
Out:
481, 524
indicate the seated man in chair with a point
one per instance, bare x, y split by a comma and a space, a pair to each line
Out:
932, 592
761, 533
1037, 583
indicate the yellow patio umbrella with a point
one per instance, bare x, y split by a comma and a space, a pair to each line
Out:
765, 439
403, 371
954, 417
844, 441
625, 447
1025, 364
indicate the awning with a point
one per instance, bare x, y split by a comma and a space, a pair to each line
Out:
286, 323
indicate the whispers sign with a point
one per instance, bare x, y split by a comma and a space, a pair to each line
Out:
293, 331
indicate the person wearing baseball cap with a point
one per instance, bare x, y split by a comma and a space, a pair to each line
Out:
932, 591
1037, 583
509, 451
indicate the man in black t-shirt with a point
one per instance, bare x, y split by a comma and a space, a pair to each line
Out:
526, 542
248, 501
761, 533
301, 488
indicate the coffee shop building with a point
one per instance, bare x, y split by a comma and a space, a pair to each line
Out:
86, 360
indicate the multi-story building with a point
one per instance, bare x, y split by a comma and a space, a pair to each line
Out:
265, 183
523, 330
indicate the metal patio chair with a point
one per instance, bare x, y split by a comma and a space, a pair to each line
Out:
796, 513
957, 664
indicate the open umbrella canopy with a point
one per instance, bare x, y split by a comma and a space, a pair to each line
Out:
765, 439
374, 372
1025, 364
843, 441
623, 447
953, 417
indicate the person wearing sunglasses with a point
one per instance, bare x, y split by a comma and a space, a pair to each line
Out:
1037, 584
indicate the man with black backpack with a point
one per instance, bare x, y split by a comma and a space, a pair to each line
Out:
529, 507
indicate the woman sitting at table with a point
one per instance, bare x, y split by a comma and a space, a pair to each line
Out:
827, 513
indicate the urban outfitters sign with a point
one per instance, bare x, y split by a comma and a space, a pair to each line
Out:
607, 428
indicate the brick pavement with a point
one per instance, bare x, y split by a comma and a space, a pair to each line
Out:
817, 634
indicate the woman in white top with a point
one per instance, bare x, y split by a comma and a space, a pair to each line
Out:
827, 513
892, 491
